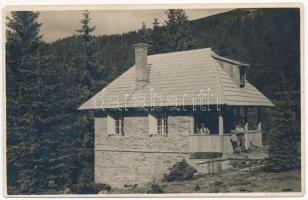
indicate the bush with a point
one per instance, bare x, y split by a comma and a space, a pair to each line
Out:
101, 187
197, 187
155, 189
180, 171
90, 188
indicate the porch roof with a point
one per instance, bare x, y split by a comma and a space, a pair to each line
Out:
178, 79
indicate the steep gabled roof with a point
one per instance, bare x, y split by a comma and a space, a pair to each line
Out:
178, 78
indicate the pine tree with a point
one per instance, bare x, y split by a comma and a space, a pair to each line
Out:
25, 122
92, 64
145, 34
72, 126
157, 38
91, 71
178, 37
283, 147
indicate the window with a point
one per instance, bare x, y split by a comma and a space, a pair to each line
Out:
162, 124
158, 123
115, 123
118, 124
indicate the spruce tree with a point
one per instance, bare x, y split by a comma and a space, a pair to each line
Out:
92, 61
283, 147
25, 119
157, 38
88, 86
179, 36
145, 34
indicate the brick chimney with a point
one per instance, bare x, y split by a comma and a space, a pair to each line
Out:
142, 68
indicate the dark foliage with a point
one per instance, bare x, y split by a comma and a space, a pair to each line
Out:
28, 105
180, 171
178, 36
90, 188
283, 150
155, 189
197, 187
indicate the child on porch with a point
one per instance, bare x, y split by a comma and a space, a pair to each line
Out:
240, 131
234, 142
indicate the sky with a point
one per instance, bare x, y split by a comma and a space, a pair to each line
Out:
60, 24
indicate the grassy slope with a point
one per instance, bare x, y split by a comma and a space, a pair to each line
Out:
254, 180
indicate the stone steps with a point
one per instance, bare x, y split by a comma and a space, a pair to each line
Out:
227, 162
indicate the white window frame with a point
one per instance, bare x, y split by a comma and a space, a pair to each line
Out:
158, 123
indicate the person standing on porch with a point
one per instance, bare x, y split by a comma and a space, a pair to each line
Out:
240, 132
234, 142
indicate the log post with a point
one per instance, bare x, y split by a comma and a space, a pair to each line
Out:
246, 120
247, 143
192, 123
221, 123
259, 123
238, 113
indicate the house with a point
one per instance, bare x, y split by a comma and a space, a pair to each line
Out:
152, 115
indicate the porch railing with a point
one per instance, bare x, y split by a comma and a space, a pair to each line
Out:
221, 143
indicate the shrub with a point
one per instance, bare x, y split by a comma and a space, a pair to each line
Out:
155, 189
131, 186
90, 188
180, 171
101, 186
197, 187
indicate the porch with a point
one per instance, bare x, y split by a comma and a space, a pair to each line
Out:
220, 124
222, 143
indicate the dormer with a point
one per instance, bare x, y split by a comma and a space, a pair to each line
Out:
235, 69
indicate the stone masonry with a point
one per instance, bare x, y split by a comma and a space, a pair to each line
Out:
137, 157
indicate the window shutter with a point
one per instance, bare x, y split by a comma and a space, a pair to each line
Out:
110, 124
192, 124
152, 124
166, 123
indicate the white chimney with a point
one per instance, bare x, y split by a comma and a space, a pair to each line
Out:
142, 69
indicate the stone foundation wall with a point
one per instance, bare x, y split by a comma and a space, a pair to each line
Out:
120, 168
138, 157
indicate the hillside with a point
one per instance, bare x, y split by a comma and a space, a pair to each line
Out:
243, 34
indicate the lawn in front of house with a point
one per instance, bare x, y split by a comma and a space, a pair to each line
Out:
234, 181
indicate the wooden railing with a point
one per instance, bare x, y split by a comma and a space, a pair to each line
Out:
221, 143
254, 137
210, 143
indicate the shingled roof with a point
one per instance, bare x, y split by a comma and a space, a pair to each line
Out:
177, 79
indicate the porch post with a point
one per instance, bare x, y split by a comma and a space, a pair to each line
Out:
246, 119
221, 123
247, 143
238, 111
192, 123
259, 119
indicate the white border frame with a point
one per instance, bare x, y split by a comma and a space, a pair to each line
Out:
159, 4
